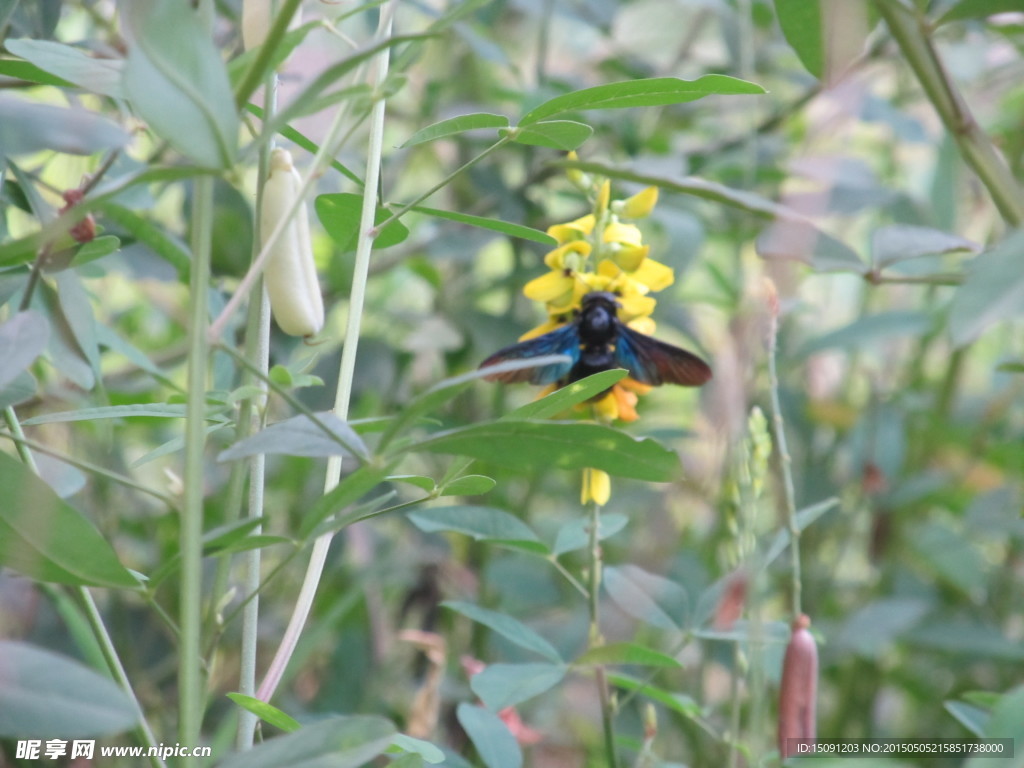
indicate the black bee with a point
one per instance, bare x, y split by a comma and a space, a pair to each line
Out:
596, 340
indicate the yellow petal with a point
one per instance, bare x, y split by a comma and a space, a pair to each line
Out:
549, 287
597, 487
644, 325
626, 401
603, 194
631, 257
572, 230
641, 204
654, 275
607, 408
609, 269
634, 306
594, 282
627, 234
563, 256
541, 329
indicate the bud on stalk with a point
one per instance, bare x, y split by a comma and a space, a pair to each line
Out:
798, 692
290, 273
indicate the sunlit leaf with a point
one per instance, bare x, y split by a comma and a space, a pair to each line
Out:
650, 92
626, 653
468, 485
268, 713
456, 125
801, 22
562, 399
340, 213
565, 135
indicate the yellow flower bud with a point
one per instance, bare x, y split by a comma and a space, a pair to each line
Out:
257, 19
597, 487
290, 273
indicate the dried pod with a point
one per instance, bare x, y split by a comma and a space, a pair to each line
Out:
799, 689
290, 273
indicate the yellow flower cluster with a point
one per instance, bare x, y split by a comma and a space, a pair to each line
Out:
602, 251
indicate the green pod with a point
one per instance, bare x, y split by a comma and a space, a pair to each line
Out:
290, 272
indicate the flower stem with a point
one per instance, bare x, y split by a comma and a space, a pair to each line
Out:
594, 591
346, 373
190, 683
785, 461
910, 31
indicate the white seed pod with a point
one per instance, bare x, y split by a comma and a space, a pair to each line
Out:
257, 17
290, 272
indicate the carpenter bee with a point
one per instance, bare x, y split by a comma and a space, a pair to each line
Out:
596, 340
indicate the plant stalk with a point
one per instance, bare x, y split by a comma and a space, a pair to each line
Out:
318, 557
190, 676
909, 29
594, 604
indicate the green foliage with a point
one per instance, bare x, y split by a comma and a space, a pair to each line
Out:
894, 250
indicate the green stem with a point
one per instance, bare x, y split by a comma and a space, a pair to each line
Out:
364, 245
785, 463
594, 604
251, 80
190, 682
910, 30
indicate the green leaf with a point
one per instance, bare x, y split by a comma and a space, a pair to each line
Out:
495, 225
43, 694
420, 481
413, 746
44, 538
565, 398
482, 523
802, 25
533, 445
677, 702
870, 330
136, 410
901, 242
505, 685
494, 742
802, 241
149, 234
338, 742
646, 596
24, 387
443, 391
650, 92
29, 127
268, 713
301, 436
1005, 722
102, 76
238, 67
565, 135
575, 534
340, 214
970, 717
511, 629
804, 518
456, 125
97, 248
30, 73
468, 485
347, 492
978, 9
22, 339
993, 291
178, 83
626, 653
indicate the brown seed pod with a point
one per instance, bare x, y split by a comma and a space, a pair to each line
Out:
799, 689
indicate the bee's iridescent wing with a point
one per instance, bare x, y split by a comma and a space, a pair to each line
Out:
654, 362
561, 341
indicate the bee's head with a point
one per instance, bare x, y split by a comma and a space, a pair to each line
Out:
603, 299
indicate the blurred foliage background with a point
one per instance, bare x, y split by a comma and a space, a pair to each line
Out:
899, 353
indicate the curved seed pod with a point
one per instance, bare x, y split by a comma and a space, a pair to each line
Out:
290, 273
256, 20
799, 688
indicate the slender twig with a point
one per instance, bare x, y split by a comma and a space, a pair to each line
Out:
785, 461
346, 373
910, 30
